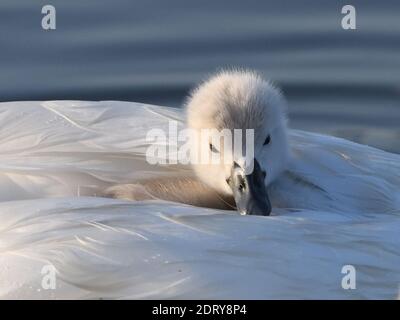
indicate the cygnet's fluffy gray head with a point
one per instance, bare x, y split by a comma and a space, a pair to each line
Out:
240, 100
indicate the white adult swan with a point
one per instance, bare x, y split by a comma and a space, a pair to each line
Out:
321, 179
336, 204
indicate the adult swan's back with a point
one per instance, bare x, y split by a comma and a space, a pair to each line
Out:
54, 153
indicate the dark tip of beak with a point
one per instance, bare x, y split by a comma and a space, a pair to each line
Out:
249, 190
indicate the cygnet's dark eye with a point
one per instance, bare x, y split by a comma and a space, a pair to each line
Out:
213, 149
267, 140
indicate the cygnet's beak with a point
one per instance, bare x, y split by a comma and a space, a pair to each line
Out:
249, 190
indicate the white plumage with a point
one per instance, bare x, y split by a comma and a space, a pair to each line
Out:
51, 152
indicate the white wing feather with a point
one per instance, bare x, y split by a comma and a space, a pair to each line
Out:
51, 152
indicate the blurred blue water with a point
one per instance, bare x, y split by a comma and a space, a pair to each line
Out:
341, 82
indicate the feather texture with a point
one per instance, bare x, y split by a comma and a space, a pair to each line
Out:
338, 204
